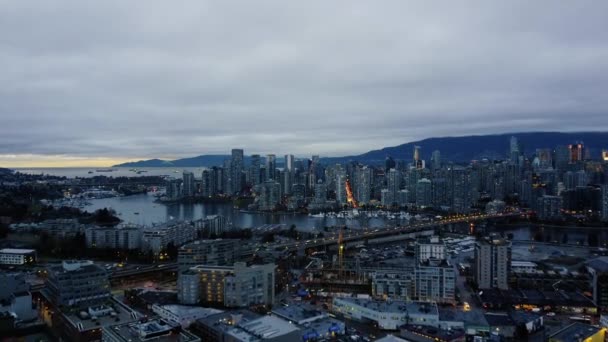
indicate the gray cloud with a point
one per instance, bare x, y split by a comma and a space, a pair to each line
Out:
128, 79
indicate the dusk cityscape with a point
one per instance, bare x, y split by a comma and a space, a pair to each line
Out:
280, 172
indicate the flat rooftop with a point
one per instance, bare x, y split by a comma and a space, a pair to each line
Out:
575, 332
185, 310
395, 306
224, 321
473, 317
155, 330
124, 314
17, 251
264, 327
298, 312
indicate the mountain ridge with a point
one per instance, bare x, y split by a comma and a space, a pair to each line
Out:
452, 148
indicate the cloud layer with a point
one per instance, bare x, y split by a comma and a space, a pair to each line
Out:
159, 79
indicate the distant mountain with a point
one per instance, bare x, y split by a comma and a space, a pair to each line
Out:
457, 149
467, 148
204, 160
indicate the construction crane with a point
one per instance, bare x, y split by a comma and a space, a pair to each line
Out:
350, 199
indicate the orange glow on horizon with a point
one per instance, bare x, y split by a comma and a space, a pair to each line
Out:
50, 161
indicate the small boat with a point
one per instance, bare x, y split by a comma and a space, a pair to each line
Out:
136, 213
90, 171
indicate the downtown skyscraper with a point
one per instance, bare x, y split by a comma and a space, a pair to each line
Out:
235, 181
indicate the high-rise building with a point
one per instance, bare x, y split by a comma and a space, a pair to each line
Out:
289, 162
270, 194
254, 170
561, 157
576, 152
77, 284
492, 263
418, 162
545, 158
341, 186
436, 160
440, 193
217, 180
236, 171
173, 189
320, 192
389, 163
188, 187
424, 193
459, 189
271, 167
549, 207
363, 185
514, 150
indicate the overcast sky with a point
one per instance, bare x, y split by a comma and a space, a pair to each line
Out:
94, 81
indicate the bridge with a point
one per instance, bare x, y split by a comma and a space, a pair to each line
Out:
350, 238
367, 234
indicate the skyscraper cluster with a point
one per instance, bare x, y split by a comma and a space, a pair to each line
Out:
551, 181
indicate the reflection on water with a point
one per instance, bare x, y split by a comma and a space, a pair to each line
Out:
141, 209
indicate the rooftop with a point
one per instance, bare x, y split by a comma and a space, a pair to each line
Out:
390, 338
155, 330
599, 264
122, 314
298, 312
185, 311
262, 328
575, 332
433, 333
226, 320
17, 251
394, 306
473, 317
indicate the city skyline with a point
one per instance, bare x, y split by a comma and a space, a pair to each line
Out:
134, 82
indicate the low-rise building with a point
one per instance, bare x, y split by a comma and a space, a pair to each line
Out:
15, 297
157, 238
182, 314
579, 332
315, 324
156, 330
216, 224
265, 328
61, 228
77, 283
14, 256
389, 315
598, 269
213, 328
125, 237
